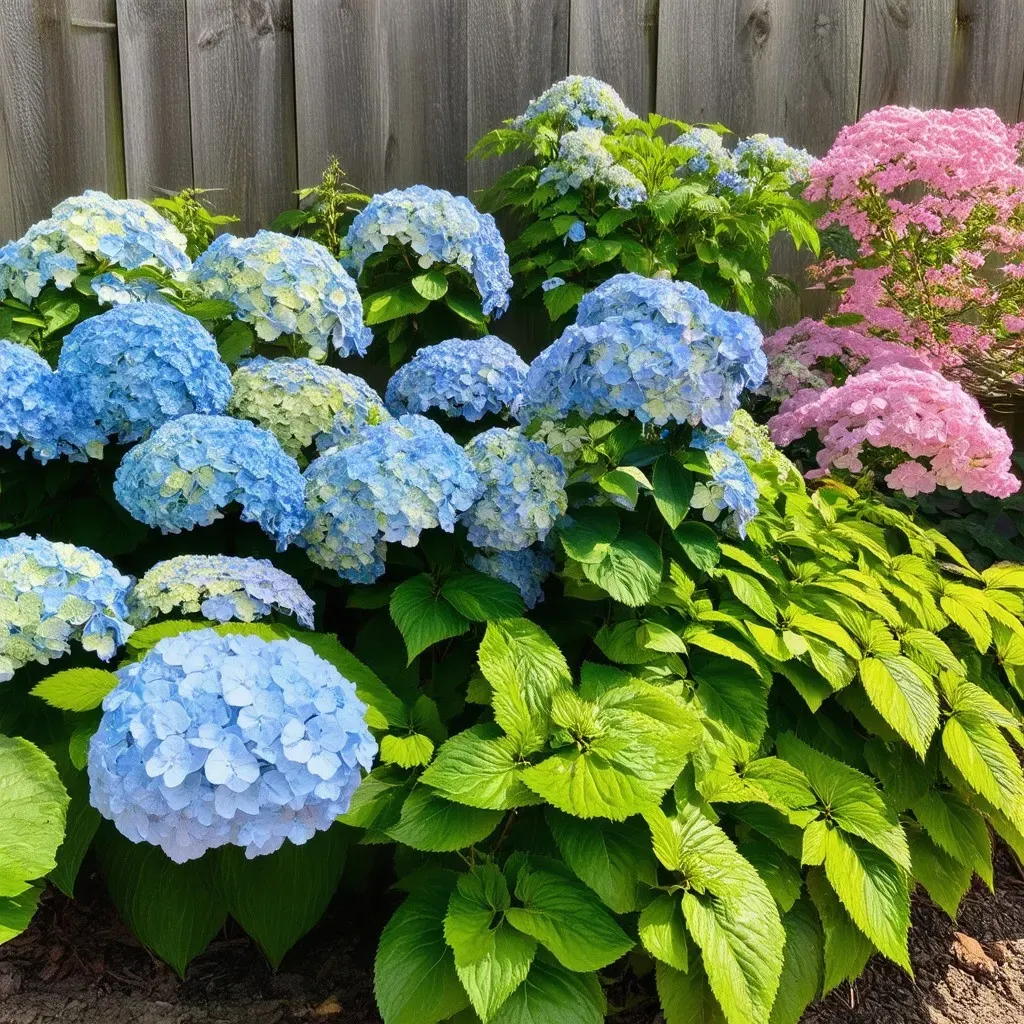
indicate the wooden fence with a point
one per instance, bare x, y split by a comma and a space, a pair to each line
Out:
253, 96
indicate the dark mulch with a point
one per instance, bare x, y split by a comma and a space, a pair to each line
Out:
78, 964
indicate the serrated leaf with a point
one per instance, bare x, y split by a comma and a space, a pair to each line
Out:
958, 603
686, 996
780, 873
904, 696
663, 931
706, 639
589, 535
944, 878
406, 751
482, 599
802, 964
423, 616
630, 571
731, 695
751, 592
16, 912
435, 825
699, 544
391, 304
957, 829
431, 285
82, 822
673, 489
847, 948
562, 299
76, 689
551, 993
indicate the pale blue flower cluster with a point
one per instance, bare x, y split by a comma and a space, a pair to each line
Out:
579, 101
439, 228
114, 289
523, 491
729, 181
552, 282
191, 468
51, 593
731, 489
86, 230
710, 154
220, 587
36, 410
284, 285
760, 152
213, 740
391, 482
466, 378
527, 570
135, 367
584, 159
653, 347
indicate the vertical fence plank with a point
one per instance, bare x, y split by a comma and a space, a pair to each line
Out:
616, 41
382, 86
152, 37
8, 228
242, 105
516, 49
61, 104
944, 53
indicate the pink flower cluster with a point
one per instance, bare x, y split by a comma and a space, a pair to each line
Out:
894, 408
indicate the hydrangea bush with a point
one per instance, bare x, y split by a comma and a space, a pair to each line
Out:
783, 705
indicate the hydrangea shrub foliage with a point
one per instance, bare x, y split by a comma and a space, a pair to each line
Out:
606, 685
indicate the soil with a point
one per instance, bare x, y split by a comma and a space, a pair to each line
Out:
78, 964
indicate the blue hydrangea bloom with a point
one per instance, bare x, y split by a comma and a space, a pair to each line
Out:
552, 282
526, 569
213, 740
579, 101
37, 411
137, 366
391, 482
523, 491
114, 289
460, 378
188, 470
220, 587
727, 181
439, 228
577, 232
52, 593
709, 154
760, 152
300, 402
284, 285
85, 230
583, 159
731, 489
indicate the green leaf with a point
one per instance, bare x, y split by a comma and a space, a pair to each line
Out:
279, 897
847, 949
525, 668
209, 309
468, 307
414, 978
568, 919
406, 751
673, 489
621, 484
957, 829
873, 890
481, 598
699, 543
944, 878
82, 822
663, 931
904, 696
35, 805
492, 959
76, 689
595, 251
479, 767
431, 285
630, 571
16, 912
802, 964
147, 637
780, 873
752, 593
435, 825
731, 695
589, 537
392, 304
173, 909
551, 993
234, 341
423, 616
562, 299
614, 859
960, 604
686, 996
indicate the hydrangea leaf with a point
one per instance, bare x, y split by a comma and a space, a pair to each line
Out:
630, 570
551, 993
903, 694
588, 537
82, 822
435, 825
406, 751
482, 598
959, 603
432, 285
34, 812
802, 964
414, 977
847, 948
686, 996
423, 616
732, 695
568, 919
699, 544
752, 593
16, 912
76, 689
673, 489
392, 303
562, 299
944, 878
663, 931
957, 829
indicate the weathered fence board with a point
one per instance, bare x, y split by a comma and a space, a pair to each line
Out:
7, 223
152, 36
943, 53
242, 102
617, 41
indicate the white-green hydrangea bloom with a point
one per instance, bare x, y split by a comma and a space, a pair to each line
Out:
298, 400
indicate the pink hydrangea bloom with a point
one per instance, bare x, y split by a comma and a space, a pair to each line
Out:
940, 429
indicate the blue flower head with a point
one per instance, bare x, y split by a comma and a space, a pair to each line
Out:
284, 285
192, 468
389, 483
709, 152
439, 228
213, 740
135, 367
731, 489
52, 593
37, 411
727, 181
526, 569
578, 101
460, 378
584, 159
299, 401
523, 491
85, 230
221, 587
762, 153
